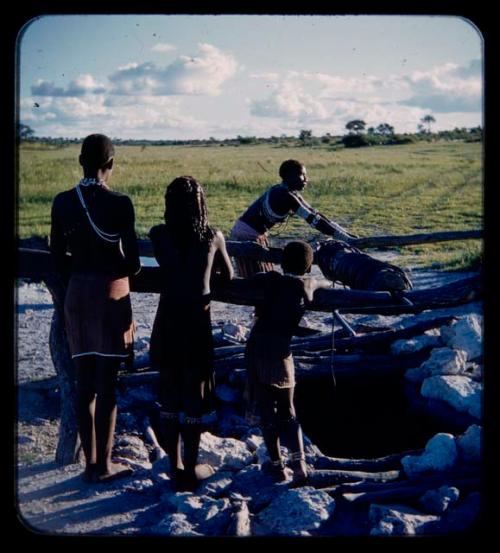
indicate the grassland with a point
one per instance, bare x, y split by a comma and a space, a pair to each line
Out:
422, 187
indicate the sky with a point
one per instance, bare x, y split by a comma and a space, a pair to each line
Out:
199, 76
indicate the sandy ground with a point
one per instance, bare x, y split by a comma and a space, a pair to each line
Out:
52, 499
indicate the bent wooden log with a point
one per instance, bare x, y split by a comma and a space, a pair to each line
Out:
37, 264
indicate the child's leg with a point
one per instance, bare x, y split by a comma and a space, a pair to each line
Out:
269, 424
290, 427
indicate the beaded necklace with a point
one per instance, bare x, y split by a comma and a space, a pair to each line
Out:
109, 237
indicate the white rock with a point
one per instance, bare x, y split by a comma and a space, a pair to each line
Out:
440, 454
465, 334
209, 515
260, 487
253, 440
216, 484
295, 512
175, 524
441, 361
445, 361
469, 444
437, 501
223, 452
461, 392
416, 344
397, 520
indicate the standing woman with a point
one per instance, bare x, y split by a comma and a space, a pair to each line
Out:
189, 253
96, 226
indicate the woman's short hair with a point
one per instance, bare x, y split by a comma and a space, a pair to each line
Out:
97, 151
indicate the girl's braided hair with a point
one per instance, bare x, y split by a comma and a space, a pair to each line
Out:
186, 215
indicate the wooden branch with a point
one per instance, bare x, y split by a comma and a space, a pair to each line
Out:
410, 239
409, 491
255, 251
325, 478
370, 340
464, 475
389, 462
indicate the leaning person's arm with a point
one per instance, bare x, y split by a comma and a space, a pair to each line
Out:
318, 221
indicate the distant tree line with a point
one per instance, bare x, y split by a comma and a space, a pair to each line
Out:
357, 136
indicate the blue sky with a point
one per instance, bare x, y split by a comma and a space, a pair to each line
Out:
196, 76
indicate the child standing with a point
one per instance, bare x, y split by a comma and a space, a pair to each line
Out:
270, 367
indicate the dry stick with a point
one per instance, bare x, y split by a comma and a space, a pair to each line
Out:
377, 464
468, 479
325, 478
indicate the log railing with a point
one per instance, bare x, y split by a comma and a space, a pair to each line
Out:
35, 262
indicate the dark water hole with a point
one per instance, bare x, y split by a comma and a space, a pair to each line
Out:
364, 418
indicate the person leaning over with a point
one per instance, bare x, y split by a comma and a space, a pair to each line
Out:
270, 368
96, 225
275, 206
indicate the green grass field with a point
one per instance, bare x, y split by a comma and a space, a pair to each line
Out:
422, 187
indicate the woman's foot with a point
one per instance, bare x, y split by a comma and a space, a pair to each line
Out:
300, 471
112, 472
88, 473
275, 469
184, 480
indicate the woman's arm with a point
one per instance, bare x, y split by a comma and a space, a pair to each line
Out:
128, 237
58, 243
222, 265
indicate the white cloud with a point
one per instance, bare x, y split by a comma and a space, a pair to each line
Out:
447, 88
203, 74
317, 100
289, 101
267, 76
163, 47
83, 84
135, 117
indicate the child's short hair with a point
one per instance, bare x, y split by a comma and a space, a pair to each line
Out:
289, 168
297, 257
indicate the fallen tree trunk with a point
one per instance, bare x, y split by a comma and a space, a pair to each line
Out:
412, 239
37, 264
